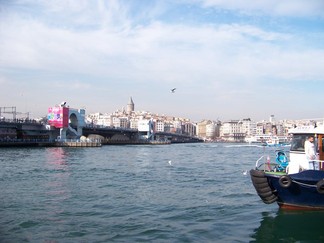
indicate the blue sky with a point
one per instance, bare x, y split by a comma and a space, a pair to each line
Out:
228, 59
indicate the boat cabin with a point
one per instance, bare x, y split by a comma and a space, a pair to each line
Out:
297, 151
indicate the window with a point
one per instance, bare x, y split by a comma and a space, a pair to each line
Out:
297, 143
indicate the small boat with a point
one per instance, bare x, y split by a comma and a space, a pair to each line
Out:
268, 140
273, 141
291, 181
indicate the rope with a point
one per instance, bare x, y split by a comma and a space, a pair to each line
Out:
303, 184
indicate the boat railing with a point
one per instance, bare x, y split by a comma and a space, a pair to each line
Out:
78, 140
266, 163
257, 162
316, 160
320, 164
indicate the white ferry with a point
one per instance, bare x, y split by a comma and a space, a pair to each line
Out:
267, 139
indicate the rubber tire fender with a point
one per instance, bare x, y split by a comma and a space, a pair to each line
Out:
270, 199
259, 180
285, 181
257, 173
320, 186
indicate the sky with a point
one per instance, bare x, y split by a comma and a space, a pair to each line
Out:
227, 59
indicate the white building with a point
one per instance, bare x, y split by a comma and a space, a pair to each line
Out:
104, 120
115, 121
159, 126
260, 129
124, 122
232, 131
133, 123
211, 130
189, 128
177, 126
249, 127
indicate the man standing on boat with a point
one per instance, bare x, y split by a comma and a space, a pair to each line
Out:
310, 153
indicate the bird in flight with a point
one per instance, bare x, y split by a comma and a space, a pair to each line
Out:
173, 90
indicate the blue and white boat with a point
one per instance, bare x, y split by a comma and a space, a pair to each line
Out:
289, 180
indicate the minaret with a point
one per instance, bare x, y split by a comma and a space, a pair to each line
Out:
130, 106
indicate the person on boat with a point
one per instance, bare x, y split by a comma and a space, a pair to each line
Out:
310, 153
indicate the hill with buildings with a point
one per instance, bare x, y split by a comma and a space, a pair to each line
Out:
232, 131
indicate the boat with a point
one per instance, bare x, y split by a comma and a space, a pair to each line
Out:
287, 178
267, 140
273, 141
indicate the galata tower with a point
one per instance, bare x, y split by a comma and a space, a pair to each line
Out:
130, 106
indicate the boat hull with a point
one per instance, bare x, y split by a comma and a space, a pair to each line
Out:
304, 190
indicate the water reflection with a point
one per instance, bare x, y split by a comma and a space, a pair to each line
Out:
56, 158
57, 184
290, 226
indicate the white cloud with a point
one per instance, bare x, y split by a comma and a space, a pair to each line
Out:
296, 8
174, 52
104, 49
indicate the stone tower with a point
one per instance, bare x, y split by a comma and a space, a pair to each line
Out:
130, 106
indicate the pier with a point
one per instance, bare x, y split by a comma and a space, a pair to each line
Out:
47, 143
78, 143
29, 133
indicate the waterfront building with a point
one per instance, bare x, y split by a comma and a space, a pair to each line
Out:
115, 121
259, 128
286, 126
93, 118
249, 127
130, 118
210, 130
104, 120
169, 126
201, 128
232, 131
122, 122
177, 125
159, 126
280, 129
269, 128
133, 123
189, 128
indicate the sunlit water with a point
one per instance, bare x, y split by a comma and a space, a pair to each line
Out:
159, 193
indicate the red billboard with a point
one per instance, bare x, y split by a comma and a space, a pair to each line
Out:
58, 116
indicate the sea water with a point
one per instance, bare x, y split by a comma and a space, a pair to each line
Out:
142, 193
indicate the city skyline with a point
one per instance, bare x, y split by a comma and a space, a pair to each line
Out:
226, 59
13, 111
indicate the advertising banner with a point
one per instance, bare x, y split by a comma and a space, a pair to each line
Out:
58, 116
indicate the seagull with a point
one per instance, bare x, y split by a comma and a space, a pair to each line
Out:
170, 162
244, 172
173, 90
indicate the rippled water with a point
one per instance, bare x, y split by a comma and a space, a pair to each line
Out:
159, 193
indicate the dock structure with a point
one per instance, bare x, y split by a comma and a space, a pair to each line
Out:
47, 143
30, 133
34, 134
78, 143
26, 143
